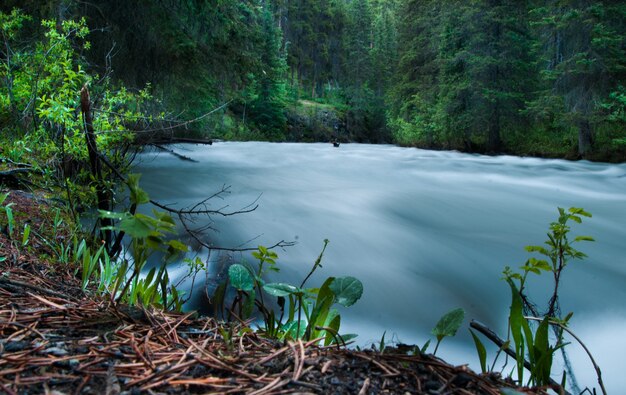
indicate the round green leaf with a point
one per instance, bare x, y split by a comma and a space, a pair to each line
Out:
347, 290
449, 324
240, 278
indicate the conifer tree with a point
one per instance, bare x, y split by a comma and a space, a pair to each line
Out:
584, 59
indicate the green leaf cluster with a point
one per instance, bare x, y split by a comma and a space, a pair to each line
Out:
533, 346
309, 311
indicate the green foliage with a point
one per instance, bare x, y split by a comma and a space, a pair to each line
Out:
310, 312
558, 250
448, 325
481, 351
148, 236
533, 347
8, 212
41, 123
529, 78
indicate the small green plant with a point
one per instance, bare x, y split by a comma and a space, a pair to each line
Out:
558, 251
26, 235
8, 211
533, 347
310, 313
382, 345
448, 325
90, 262
148, 236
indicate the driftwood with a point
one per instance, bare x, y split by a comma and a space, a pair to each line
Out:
176, 154
174, 140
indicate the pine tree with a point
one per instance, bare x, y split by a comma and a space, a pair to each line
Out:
268, 108
415, 86
584, 59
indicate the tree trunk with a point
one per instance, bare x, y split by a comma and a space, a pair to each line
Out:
494, 141
104, 202
585, 138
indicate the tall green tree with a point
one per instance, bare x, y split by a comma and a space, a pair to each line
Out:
414, 88
313, 36
268, 108
486, 70
465, 72
583, 59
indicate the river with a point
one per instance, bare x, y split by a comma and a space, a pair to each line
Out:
424, 231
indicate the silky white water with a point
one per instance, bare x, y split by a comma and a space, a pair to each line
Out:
424, 231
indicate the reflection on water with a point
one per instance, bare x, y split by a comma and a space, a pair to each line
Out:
425, 231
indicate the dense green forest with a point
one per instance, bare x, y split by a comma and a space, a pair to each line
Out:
523, 77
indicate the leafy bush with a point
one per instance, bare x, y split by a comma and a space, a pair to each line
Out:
40, 118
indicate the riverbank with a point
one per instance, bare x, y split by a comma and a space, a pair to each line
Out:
57, 337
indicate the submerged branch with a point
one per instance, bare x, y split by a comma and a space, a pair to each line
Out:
176, 154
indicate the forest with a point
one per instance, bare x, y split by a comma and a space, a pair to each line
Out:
86, 88
542, 78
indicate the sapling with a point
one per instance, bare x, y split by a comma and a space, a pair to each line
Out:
533, 350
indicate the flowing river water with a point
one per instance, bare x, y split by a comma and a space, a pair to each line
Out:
424, 231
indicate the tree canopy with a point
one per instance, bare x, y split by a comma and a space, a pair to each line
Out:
526, 77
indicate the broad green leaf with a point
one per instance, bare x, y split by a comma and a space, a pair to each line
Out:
325, 299
281, 289
449, 323
240, 278
584, 238
516, 321
334, 324
177, 245
112, 215
543, 354
347, 290
135, 227
580, 211
290, 330
482, 352
575, 219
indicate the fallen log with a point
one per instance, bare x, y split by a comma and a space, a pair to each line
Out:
175, 140
176, 154
15, 178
